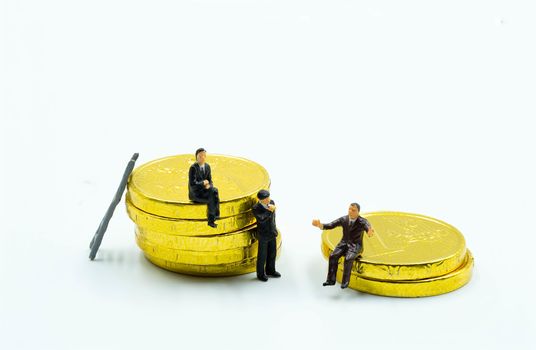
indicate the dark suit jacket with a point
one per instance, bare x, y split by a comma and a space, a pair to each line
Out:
196, 178
266, 229
351, 235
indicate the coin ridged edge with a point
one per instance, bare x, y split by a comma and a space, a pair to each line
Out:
184, 227
398, 272
196, 257
222, 270
418, 288
233, 240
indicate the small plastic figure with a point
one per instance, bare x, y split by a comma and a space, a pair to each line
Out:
351, 244
201, 188
264, 211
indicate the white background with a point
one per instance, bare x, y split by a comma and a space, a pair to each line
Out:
416, 106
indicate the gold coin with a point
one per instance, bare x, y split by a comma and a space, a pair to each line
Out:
205, 270
183, 227
238, 239
405, 247
232, 269
199, 258
416, 288
160, 187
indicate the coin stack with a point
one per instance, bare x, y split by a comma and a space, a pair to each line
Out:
409, 255
172, 231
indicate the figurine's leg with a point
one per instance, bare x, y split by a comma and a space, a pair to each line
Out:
213, 207
270, 262
348, 262
206, 197
261, 260
216, 203
334, 257
200, 197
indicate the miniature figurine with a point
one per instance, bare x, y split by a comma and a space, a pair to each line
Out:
201, 188
351, 244
264, 211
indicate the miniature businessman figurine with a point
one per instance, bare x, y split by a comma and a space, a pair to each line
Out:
264, 211
351, 244
201, 189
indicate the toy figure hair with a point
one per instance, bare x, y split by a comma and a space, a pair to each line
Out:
263, 194
356, 205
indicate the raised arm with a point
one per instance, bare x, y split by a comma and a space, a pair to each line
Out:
328, 226
261, 215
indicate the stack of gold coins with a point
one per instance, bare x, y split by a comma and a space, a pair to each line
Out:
409, 255
172, 231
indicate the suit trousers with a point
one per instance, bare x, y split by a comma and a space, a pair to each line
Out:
266, 257
212, 198
350, 253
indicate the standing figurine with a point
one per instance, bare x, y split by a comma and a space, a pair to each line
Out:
264, 211
351, 244
201, 189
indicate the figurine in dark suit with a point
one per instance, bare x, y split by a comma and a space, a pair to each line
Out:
351, 244
264, 211
201, 188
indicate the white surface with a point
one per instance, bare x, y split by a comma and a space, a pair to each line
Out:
416, 106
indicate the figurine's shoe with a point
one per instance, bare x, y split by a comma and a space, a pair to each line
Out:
275, 274
212, 224
328, 283
344, 285
263, 278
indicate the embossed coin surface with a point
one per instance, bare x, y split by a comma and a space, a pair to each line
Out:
160, 187
405, 247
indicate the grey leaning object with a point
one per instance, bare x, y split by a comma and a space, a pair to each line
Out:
97, 238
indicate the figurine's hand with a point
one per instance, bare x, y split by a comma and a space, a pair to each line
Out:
205, 183
207, 186
271, 207
316, 223
370, 232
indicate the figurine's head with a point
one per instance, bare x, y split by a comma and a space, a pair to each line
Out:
353, 211
200, 155
264, 197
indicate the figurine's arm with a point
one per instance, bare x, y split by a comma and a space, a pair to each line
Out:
369, 229
191, 178
328, 226
332, 224
271, 206
209, 175
261, 215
